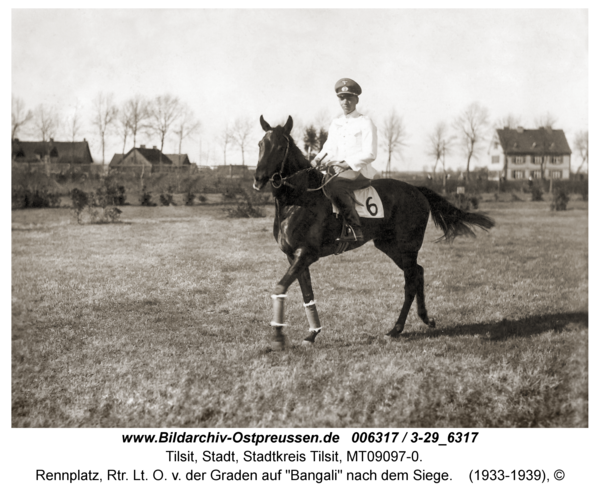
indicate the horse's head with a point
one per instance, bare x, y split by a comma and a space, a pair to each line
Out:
274, 148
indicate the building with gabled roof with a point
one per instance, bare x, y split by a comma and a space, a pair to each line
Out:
141, 159
518, 153
53, 156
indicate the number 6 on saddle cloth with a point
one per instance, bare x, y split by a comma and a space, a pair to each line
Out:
368, 204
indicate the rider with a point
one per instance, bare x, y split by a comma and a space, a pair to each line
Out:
351, 144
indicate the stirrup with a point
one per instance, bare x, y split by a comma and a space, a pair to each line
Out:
351, 235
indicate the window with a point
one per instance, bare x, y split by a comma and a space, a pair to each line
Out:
556, 160
537, 160
537, 174
518, 160
557, 174
495, 159
518, 175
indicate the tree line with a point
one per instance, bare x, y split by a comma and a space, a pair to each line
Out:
159, 117
167, 115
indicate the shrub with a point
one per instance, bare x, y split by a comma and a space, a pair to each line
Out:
166, 198
83, 201
537, 193
229, 194
560, 199
146, 198
202, 199
244, 207
189, 197
26, 197
110, 193
465, 201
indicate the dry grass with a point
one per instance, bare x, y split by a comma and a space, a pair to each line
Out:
163, 321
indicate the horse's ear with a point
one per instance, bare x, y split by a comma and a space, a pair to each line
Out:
265, 126
288, 125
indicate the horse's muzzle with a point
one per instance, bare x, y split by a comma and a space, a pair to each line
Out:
258, 184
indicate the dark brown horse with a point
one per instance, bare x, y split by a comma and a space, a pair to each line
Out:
306, 228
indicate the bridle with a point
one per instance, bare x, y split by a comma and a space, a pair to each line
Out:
281, 180
277, 180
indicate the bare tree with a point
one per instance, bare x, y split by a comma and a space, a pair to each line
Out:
438, 147
472, 125
163, 111
123, 127
136, 113
242, 128
73, 124
46, 121
394, 138
185, 125
509, 120
226, 139
581, 146
19, 117
105, 116
547, 120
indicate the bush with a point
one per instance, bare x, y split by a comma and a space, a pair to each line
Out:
166, 198
245, 208
83, 201
560, 199
146, 198
189, 197
110, 193
537, 195
202, 199
26, 197
465, 201
230, 194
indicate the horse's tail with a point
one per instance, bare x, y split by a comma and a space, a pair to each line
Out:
452, 220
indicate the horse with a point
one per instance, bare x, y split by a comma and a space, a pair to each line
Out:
306, 228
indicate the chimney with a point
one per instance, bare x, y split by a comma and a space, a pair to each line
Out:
520, 130
154, 147
143, 146
548, 129
84, 139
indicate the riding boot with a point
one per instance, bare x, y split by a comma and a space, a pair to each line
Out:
345, 203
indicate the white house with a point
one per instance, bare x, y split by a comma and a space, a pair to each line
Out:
520, 154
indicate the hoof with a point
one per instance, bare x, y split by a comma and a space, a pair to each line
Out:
279, 342
431, 323
310, 339
393, 334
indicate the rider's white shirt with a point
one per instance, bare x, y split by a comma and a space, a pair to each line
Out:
353, 139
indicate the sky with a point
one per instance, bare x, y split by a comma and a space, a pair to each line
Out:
427, 65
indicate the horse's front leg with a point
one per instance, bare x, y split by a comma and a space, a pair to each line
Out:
299, 263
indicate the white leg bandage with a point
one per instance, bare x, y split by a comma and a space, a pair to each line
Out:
278, 304
313, 317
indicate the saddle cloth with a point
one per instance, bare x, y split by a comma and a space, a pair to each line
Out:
369, 203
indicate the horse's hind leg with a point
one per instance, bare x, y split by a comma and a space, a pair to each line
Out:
421, 310
413, 283
309, 307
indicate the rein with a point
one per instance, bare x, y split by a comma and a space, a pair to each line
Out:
281, 180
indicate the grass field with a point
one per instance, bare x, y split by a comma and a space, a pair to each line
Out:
163, 320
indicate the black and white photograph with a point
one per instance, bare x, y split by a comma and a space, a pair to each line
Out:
340, 220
